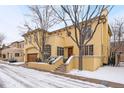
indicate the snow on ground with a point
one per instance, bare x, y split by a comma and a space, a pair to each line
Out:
15, 63
18, 63
6, 62
19, 77
109, 73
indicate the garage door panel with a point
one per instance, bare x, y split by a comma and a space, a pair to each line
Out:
32, 57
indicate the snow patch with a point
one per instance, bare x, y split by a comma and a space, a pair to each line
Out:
114, 74
68, 61
17, 76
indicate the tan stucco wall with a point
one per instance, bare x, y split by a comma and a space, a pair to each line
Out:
46, 66
10, 53
55, 41
90, 63
100, 42
30, 51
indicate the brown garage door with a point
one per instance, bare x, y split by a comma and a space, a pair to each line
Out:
32, 57
122, 57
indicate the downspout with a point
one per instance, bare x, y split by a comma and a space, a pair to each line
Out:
101, 45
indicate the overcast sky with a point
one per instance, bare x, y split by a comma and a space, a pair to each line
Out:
13, 16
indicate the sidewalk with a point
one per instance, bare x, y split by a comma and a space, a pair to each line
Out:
97, 81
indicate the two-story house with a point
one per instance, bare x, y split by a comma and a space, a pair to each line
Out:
58, 43
14, 51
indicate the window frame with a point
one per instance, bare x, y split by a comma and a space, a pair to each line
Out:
60, 51
47, 50
89, 50
17, 54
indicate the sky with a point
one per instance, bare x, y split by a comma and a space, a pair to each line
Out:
12, 16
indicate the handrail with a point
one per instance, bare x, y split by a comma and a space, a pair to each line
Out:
69, 60
57, 59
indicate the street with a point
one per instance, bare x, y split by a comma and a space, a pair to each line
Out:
20, 77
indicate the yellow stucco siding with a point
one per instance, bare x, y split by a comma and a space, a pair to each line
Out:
100, 42
105, 43
30, 50
55, 41
90, 63
14, 51
46, 66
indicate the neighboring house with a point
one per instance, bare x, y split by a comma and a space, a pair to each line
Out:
14, 51
58, 43
119, 49
0, 53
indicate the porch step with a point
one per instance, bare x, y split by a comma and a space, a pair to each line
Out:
61, 68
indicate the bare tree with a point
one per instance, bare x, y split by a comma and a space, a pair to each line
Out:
2, 37
118, 34
117, 39
81, 17
42, 19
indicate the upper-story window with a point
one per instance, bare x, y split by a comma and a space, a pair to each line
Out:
70, 27
19, 45
30, 39
88, 32
35, 39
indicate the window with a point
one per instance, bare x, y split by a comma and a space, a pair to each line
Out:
91, 50
60, 51
30, 39
16, 54
88, 50
89, 32
4, 56
70, 27
47, 51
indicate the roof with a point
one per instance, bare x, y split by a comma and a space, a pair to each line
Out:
30, 32
63, 29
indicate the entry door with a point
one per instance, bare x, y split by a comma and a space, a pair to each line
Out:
70, 51
32, 57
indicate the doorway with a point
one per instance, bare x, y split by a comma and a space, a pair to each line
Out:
70, 51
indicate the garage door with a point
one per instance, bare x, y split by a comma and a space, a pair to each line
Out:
32, 57
122, 57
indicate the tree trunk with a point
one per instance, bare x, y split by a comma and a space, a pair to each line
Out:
81, 51
43, 45
80, 58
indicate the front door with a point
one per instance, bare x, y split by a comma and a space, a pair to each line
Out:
70, 51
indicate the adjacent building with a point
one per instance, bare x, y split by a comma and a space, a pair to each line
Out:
118, 48
13, 52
